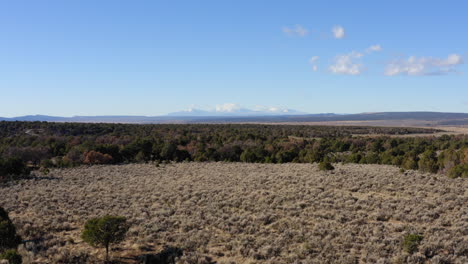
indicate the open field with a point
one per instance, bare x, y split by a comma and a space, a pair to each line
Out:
445, 130
246, 213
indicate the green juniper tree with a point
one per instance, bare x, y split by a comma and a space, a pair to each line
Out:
104, 231
8, 237
9, 240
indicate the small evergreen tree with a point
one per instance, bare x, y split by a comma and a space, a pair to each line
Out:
12, 167
8, 237
325, 165
411, 242
409, 163
458, 171
248, 156
428, 162
104, 231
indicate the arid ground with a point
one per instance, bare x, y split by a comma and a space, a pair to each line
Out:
446, 130
245, 213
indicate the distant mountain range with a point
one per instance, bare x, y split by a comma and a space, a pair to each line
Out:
244, 116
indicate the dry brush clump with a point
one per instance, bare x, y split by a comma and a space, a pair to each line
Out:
246, 213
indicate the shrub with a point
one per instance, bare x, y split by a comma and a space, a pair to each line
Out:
448, 159
12, 166
459, 171
372, 158
73, 157
94, 157
325, 165
428, 162
104, 231
249, 156
409, 163
12, 256
47, 163
411, 242
8, 237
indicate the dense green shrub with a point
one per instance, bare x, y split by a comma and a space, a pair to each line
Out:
285, 156
326, 165
372, 158
104, 231
409, 163
354, 158
411, 242
448, 159
428, 162
253, 155
458, 171
12, 167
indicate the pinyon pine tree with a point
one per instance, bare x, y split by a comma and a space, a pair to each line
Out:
104, 231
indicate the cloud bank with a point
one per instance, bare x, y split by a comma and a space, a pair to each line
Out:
232, 109
350, 63
227, 108
346, 64
423, 66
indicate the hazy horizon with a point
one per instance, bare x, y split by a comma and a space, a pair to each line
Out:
229, 114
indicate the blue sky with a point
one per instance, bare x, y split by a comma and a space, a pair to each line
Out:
153, 57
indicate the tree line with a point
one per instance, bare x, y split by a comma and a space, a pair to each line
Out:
30, 145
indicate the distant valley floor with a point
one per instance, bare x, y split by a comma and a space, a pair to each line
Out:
447, 130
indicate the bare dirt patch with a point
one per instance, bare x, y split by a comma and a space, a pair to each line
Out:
247, 213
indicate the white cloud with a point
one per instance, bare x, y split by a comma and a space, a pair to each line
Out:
313, 61
452, 59
374, 48
232, 109
297, 30
346, 64
228, 107
338, 32
270, 109
424, 66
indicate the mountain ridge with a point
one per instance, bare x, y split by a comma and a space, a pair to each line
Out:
441, 117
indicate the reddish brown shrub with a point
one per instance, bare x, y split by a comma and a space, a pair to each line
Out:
94, 157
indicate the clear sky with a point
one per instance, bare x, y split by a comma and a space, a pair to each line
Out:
153, 57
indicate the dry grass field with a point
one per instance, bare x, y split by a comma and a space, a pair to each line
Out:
245, 213
446, 130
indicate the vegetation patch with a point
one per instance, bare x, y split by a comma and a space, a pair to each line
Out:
105, 231
411, 242
9, 239
242, 212
326, 166
61, 145
12, 256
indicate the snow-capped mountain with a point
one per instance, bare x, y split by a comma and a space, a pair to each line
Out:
236, 110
